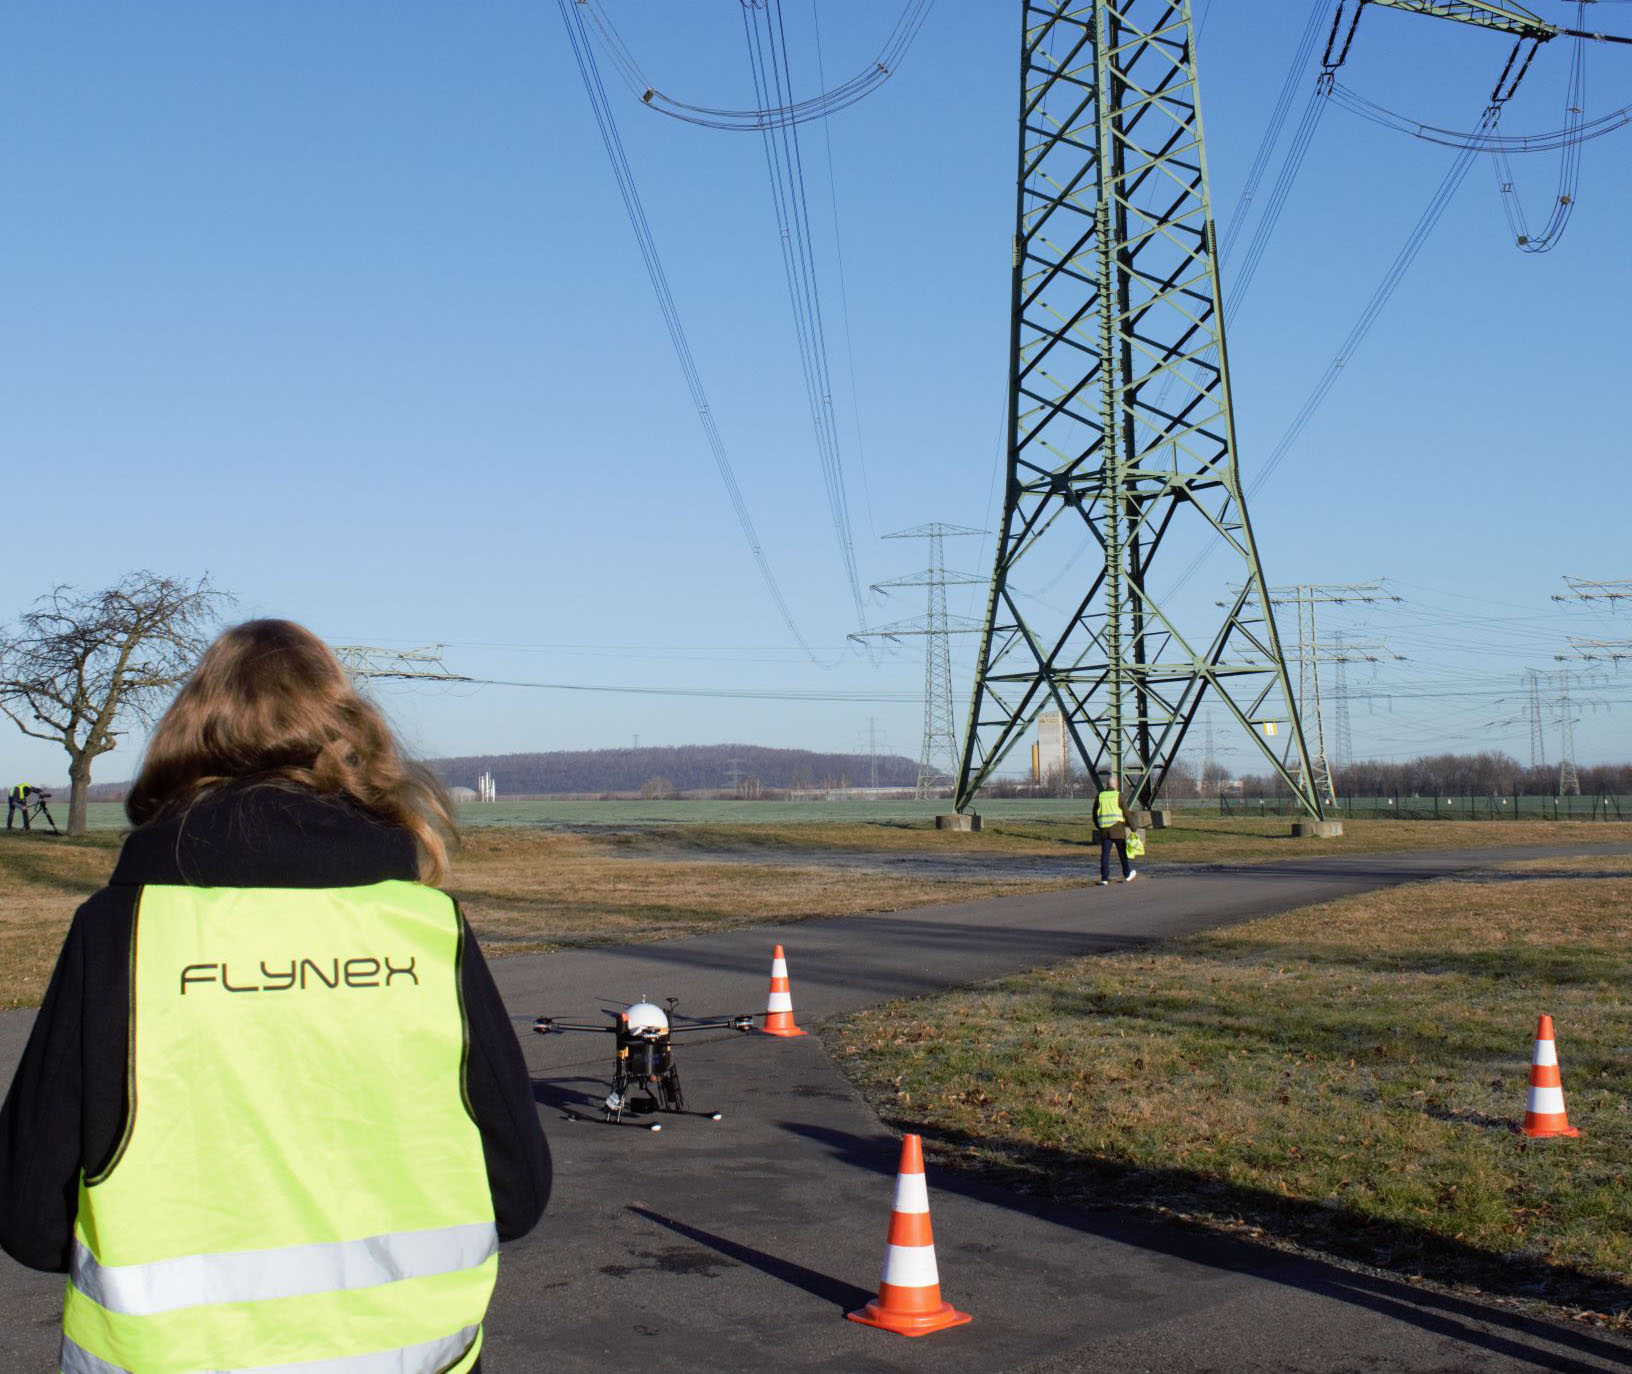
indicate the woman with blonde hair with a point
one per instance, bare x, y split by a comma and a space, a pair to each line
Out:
272, 1111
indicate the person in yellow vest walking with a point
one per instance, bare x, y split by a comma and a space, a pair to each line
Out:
272, 1112
1113, 829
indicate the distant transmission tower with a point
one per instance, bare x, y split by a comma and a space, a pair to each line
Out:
1614, 650
1569, 783
1121, 436
1580, 589
940, 748
366, 663
1311, 653
1532, 711
1344, 751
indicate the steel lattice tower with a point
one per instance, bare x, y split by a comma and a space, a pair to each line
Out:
1532, 711
1569, 782
1120, 426
1344, 752
940, 747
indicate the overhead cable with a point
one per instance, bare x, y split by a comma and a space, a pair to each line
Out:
1441, 198
719, 693
766, 115
610, 138
1424, 226
1582, 131
1272, 131
784, 162
1569, 170
838, 262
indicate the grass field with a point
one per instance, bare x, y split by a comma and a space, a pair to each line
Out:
524, 890
1343, 1078
536, 886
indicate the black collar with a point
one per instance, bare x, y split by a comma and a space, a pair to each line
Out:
249, 834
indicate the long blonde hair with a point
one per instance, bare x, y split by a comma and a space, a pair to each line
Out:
269, 701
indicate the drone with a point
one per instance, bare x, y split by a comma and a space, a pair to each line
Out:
644, 1075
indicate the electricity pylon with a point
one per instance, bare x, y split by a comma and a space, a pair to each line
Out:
1614, 650
1532, 711
1344, 753
940, 747
365, 663
1116, 306
1580, 589
1569, 782
1311, 653
1569, 779
1120, 425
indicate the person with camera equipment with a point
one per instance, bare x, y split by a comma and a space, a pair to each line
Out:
18, 800
31, 801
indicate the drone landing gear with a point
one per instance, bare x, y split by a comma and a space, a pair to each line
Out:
641, 1095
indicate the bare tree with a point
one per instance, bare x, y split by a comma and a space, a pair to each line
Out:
80, 662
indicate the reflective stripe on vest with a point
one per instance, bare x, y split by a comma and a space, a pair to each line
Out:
1108, 809
419, 1359
260, 1275
301, 1186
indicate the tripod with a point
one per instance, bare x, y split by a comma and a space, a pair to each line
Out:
35, 806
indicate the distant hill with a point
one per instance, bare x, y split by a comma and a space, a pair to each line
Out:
687, 768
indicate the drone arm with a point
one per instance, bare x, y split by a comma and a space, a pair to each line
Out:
544, 1025
737, 1023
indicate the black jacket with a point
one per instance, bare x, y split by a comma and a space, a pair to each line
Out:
66, 1108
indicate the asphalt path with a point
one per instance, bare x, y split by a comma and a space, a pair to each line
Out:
736, 1245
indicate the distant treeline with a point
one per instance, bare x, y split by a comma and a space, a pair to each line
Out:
1453, 775
746, 768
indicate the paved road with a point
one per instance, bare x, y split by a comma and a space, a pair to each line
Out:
735, 1245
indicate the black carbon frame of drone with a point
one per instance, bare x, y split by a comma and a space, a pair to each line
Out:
644, 1056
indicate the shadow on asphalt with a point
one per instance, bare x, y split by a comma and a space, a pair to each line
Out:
1440, 1313
562, 1095
822, 1286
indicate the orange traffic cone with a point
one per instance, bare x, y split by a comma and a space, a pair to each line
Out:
909, 1293
779, 1005
1544, 1108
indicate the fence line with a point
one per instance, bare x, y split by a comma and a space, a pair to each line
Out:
1511, 807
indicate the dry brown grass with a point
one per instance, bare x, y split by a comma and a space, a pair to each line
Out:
43, 879
531, 890
1344, 1077
524, 890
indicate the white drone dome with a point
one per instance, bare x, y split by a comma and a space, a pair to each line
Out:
644, 1016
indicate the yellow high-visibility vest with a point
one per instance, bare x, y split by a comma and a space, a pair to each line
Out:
1108, 809
301, 1180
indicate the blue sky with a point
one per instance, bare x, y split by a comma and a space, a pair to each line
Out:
338, 303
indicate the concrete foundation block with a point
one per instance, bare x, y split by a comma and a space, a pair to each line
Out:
1161, 818
955, 822
1139, 820
1319, 830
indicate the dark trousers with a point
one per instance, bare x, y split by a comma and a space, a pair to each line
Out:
12, 807
1105, 843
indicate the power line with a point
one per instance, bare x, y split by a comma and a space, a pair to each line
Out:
940, 745
768, 58
633, 207
765, 116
